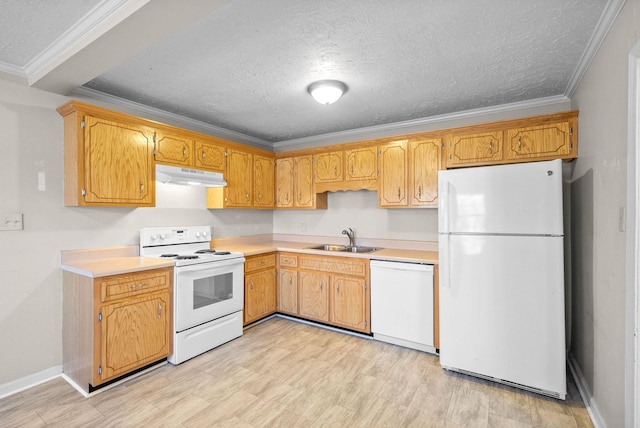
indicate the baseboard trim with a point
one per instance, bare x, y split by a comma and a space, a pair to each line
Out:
585, 393
30, 381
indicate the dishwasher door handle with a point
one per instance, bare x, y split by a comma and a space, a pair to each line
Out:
375, 264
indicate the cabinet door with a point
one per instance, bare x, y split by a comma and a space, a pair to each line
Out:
425, 160
263, 177
475, 149
288, 291
209, 156
393, 175
361, 164
349, 303
173, 149
549, 141
118, 164
284, 183
329, 167
314, 295
260, 295
303, 185
239, 169
133, 333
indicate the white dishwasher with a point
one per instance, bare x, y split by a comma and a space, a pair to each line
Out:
402, 304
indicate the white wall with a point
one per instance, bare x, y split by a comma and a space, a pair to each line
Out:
358, 210
598, 192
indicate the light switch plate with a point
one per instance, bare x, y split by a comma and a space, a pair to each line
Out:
11, 221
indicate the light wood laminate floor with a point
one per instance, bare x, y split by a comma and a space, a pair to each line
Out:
282, 373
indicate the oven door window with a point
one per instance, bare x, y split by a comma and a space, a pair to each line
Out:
213, 289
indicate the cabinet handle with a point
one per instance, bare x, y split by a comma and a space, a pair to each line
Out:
420, 192
259, 196
184, 152
251, 285
335, 171
321, 283
351, 170
490, 146
519, 143
136, 286
338, 288
202, 155
246, 196
398, 193
141, 188
159, 309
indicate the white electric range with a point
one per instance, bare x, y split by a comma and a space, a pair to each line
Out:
208, 286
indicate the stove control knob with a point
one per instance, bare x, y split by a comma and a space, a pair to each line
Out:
162, 236
197, 234
154, 236
204, 234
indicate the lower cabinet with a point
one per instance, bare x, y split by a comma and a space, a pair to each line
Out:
115, 324
259, 287
332, 289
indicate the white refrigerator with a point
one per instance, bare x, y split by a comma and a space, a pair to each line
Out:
502, 274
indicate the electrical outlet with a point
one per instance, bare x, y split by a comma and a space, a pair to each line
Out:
11, 221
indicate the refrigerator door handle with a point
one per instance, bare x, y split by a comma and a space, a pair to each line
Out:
444, 210
445, 274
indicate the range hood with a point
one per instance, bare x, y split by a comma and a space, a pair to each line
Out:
188, 176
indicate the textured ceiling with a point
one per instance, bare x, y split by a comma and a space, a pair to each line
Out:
246, 65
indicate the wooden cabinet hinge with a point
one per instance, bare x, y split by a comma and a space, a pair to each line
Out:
100, 370
99, 316
571, 130
83, 192
82, 124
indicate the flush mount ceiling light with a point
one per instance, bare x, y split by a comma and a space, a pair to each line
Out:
327, 91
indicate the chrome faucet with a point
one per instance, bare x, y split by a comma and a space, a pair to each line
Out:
352, 236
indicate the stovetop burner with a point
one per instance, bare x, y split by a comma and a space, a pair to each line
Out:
213, 252
168, 255
187, 257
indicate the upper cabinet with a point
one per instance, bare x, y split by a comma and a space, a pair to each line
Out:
239, 179
362, 165
210, 155
409, 172
263, 182
329, 167
295, 185
552, 136
173, 149
108, 160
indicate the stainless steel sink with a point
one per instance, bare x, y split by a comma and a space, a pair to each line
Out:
327, 247
358, 249
343, 248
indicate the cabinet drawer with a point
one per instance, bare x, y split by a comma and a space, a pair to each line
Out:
126, 285
288, 260
335, 265
265, 261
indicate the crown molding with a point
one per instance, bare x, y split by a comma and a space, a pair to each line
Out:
13, 73
163, 115
397, 128
94, 24
611, 11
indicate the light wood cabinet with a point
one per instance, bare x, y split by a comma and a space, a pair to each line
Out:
295, 186
546, 137
328, 289
329, 167
349, 303
394, 174
210, 155
260, 293
475, 148
314, 295
361, 164
115, 324
263, 182
288, 283
239, 179
173, 149
409, 172
425, 160
108, 160
552, 140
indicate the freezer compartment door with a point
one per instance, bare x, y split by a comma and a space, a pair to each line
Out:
502, 309
523, 199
